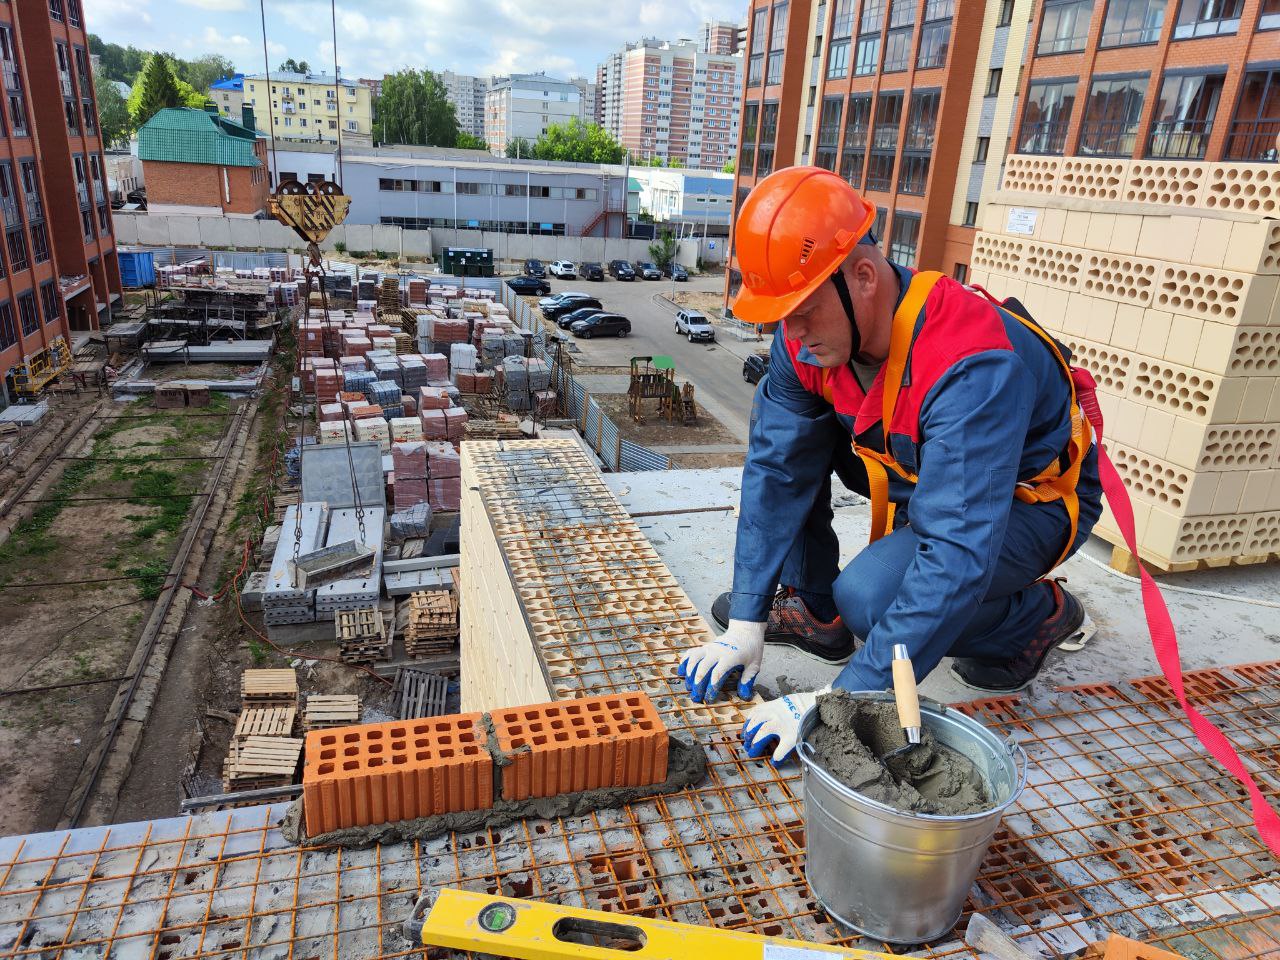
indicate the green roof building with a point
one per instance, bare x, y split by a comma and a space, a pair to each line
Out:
197, 161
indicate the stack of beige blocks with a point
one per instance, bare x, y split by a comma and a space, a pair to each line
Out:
1162, 277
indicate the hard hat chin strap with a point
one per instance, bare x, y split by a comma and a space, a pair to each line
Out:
842, 289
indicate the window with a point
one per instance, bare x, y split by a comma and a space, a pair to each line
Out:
922, 119
9, 196
55, 10
842, 24
773, 74
284, 175
867, 56
1111, 115
1207, 18
17, 244
853, 152
872, 16
984, 146
49, 301
935, 40
1183, 116
768, 139
90, 118
994, 76
27, 312
31, 188
838, 60
86, 225
755, 70
888, 116
1270, 18
39, 243
902, 245
302, 121
970, 215
1130, 22
1046, 115
880, 172
1252, 134
897, 50
759, 23
902, 13
1064, 28
8, 332
914, 175
1006, 13
778, 31
829, 132
961, 272
72, 113
747, 153
73, 12
104, 220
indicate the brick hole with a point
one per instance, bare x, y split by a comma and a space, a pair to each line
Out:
324, 768
518, 742
376, 761
328, 754
351, 765
351, 738
327, 740
397, 745
375, 748
445, 754
374, 734
515, 728
423, 755
470, 751
397, 731
582, 734
351, 752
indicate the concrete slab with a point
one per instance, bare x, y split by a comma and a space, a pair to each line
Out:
1239, 625
326, 474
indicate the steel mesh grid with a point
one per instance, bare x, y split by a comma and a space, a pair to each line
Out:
1123, 827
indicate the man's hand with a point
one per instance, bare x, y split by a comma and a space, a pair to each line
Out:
704, 668
776, 725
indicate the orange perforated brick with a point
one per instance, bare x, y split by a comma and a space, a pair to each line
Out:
586, 744
383, 772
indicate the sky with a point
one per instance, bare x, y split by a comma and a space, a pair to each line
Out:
481, 37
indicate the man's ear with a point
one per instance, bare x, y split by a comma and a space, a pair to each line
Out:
865, 278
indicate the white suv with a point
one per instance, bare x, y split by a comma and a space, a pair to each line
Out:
695, 326
564, 269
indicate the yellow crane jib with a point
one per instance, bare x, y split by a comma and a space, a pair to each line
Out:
311, 210
529, 930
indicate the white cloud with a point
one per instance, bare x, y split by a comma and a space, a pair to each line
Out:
219, 6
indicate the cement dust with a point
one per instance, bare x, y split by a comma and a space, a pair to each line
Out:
855, 732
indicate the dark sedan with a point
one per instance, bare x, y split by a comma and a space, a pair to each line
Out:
529, 286
534, 268
591, 271
567, 320
602, 325
676, 272
755, 367
568, 305
621, 270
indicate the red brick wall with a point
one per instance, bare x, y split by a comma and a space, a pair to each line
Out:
202, 185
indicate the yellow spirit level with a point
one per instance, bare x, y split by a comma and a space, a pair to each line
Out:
528, 930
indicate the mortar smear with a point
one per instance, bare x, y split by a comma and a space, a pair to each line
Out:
856, 732
686, 765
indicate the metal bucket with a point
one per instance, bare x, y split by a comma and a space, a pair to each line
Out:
894, 876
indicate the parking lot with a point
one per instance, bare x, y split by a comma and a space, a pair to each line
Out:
714, 368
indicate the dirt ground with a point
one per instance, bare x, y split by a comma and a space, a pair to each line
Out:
658, 432
705, 461
165, 372
87, 631
709, 302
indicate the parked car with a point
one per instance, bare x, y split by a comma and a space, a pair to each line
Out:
621, 270
564, 269
676, 272
569, 305
695, 326
534, 268
591, 271
558, 297
567, 320
647, 270
602, 325
755, 367
529, 286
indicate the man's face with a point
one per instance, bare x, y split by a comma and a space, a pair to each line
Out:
821, 325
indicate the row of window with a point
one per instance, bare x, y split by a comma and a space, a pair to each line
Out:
1064, 26
68, 10
29, 313
492, 226
890, 53
759, 139
1181, 123
463, 188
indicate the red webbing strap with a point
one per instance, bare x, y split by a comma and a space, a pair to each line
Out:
1164, 639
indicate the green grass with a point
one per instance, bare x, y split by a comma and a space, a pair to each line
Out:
31, 538
150, 577
258, 652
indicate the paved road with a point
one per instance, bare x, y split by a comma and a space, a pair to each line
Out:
715, 369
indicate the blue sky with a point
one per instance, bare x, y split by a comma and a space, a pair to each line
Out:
482, 37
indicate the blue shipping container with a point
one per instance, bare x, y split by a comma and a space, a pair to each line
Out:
137, 268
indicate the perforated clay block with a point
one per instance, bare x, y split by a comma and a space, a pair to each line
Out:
1052, 265
1031, 174
1092, 179
1168, 183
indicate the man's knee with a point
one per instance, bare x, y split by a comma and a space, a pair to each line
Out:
871, 581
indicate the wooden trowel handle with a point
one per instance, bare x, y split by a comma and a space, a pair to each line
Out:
904, 692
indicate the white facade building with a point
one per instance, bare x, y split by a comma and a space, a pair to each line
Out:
526, 104
467, 94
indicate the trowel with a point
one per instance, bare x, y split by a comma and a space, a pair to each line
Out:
897, 762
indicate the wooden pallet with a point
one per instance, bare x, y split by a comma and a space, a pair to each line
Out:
1125, 562
255, 763
323, 711
432, 624
363, 635
419, 693
265, 722
261, 688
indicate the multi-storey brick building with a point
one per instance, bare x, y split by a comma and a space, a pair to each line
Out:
672, 101
723, 36
58, 266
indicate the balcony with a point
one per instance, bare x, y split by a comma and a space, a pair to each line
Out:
9, 210
12, 79
1180, 139
885, 137
1044, 137
35, 209
64, 81
1253, 140
82, 192
73, 286
1108, 138
99, 195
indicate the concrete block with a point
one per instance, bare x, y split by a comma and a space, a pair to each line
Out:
1217, 295
1260, 491
1053, 224
1184, 340
1256, 400
1154, 335
1216, 347
1127, 326
1100, 320
1025, 173
1091, 178
1253, 247
1185, 391
1121, 278
1124, 233
1250, 188
153, 231
1165, 182
1230, 490
1273, 408
1125, 425
1212, 237
1185, 445
1101, 227
1264, 533
214, 231
1228, 404
1053, 265
1076, 229
1157, 430
1109, 367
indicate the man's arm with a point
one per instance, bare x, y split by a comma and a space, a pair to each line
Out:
792, 435
973, 424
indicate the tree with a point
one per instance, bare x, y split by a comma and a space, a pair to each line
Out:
729, 167
204, 71
663, 251
113, 112
469, 141
156, 88
295, 66
519, 147
117, 62
414, 108
578, 142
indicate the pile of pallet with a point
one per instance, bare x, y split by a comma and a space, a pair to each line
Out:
504, 426
262, 753
389, 295
362, 635
432, 626
323, 712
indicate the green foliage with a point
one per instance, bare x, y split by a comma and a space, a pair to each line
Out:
158, 87
578, 142
113, 112
469, 141
663, 250
340, 246
157, 488
729, 167
414, 108
519, 148
295, 66
32, 538
150, 577
258, 652
126, 64
204, 70
117, 62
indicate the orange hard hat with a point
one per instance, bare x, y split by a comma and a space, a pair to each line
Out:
794, 229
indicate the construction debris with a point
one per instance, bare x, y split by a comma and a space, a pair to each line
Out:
363, 635
432, 627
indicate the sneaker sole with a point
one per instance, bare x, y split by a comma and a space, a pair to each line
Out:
965, 683
1039, 665
798, 645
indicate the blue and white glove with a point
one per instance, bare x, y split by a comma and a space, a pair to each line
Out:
704, 668
775, 725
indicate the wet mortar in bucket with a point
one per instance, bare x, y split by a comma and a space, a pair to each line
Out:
854, 733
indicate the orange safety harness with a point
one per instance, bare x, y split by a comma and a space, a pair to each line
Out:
1051, 484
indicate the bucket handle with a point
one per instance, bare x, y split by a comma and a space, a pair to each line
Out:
1019, 757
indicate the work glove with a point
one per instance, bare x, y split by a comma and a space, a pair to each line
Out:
704, 668
775, 725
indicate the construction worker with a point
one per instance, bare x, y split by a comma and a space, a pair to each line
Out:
989, 479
